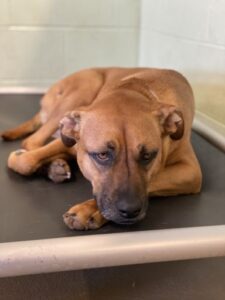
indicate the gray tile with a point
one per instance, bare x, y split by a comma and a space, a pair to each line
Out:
75, 12
182, 18
4, 12
85, 48
217, 22
31, 54
170, 52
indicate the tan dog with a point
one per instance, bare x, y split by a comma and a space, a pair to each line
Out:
130, 132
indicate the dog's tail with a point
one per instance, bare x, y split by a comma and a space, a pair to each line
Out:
22, 130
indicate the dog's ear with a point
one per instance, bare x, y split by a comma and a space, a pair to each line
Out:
69, 128
171, 121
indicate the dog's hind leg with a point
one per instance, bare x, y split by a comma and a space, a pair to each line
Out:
58, 170
39, 138
23, 129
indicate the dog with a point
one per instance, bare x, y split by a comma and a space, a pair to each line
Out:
129, 130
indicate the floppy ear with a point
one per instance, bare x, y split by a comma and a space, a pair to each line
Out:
171, 121
69, 128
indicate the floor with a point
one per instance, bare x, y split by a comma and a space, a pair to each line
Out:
32, 208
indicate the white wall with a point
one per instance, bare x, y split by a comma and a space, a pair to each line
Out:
186, 34
189, 36
43, 40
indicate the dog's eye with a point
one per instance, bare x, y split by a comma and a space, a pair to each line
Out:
103, 158
147, 157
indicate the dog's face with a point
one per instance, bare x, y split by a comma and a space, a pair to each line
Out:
118, 151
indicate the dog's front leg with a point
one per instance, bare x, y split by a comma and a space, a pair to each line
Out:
28, 162
180, 178
84, 216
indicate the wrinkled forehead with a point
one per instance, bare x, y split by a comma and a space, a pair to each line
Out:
102, 132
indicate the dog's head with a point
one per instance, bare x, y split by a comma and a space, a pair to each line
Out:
119, 144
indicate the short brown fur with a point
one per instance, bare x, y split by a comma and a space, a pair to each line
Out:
127, 110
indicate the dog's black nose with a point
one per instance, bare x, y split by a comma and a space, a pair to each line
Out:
129, 214
128, 210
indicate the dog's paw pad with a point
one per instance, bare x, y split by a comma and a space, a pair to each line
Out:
59, 171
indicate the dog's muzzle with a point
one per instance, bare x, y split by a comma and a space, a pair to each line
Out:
122, 212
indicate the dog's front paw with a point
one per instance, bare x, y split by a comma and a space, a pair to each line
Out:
84, 216
22, 162
59, 170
